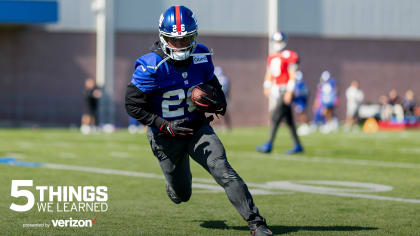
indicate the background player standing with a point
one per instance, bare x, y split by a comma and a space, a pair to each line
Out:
300, 101
90, 116
354, 96
278, 87
329, 100
159, 96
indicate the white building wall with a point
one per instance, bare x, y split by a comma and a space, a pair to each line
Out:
326, 18
227, 17
351, 18
74, 15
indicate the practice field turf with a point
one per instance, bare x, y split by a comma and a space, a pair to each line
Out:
344, 184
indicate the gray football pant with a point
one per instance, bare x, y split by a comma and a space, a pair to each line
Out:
207, 150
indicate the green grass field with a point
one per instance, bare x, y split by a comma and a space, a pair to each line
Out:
322, 192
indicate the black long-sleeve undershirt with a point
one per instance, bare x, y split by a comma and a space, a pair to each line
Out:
138, 104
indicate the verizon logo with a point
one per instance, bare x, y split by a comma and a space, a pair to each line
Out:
73, 223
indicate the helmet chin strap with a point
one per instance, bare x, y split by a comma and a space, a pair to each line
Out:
160, 63
196, 54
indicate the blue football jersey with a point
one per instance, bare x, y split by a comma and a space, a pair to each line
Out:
170, 88
301, 90
329, 94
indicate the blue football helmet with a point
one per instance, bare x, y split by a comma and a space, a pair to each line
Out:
279, 40
178, 32
325, 76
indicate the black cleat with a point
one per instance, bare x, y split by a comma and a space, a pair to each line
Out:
172, 195
261, 230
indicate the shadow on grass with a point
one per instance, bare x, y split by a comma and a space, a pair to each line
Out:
277, 229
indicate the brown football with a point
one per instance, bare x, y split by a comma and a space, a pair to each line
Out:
198, 92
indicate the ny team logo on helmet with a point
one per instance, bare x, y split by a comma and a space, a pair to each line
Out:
178, 26
279, 41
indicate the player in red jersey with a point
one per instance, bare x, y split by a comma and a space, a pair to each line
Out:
278, 87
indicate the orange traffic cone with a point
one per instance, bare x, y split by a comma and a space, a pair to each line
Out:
370, 126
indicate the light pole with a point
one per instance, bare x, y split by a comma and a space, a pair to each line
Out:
272, 21
104, 10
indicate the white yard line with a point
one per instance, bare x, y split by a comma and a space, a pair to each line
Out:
352, 189
101, 171
266, 188
315, 159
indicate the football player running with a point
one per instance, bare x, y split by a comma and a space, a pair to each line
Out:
279, 84
159, 96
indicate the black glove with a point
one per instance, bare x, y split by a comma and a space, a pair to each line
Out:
175, 128
217, 104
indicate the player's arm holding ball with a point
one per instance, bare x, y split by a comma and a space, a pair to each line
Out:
138, 103
209, 97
